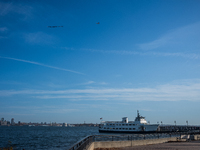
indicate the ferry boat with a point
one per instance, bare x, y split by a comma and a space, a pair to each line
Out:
140, 125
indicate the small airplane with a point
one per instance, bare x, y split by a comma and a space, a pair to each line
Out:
54, 26
98, 23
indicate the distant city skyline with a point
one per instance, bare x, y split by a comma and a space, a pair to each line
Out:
76, 61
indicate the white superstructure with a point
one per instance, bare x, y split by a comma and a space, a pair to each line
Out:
137, 126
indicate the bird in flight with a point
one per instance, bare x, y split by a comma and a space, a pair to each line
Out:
54, 26
97, 23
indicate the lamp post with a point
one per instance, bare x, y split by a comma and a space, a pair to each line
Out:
187, 124
175, 122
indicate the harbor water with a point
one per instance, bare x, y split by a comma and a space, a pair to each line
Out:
40, 138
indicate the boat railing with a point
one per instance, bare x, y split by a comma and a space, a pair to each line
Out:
113, 122
87, 141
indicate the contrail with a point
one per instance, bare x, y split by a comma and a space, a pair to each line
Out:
36, 63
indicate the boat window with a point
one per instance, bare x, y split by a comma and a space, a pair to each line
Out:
123, 124
116, 124
129, 128
117, 128
107, 128
120, 128
133, 128
113, 128
113, 124
123, 128
119, 124
126, 128
104, 128
130, 124
126, 124
133, 124
110, 124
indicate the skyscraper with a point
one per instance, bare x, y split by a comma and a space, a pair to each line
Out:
12, 121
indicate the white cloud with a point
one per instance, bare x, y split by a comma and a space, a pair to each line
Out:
19, 8
183, 37
90, 82
44, 109
164, 54
3, 29
39, 38
169, 92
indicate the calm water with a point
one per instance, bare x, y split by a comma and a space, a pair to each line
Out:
31, 138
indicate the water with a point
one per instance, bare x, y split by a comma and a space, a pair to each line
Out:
40, 138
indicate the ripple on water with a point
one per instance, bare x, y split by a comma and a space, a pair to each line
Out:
43, 137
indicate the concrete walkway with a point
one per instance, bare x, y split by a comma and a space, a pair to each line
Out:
193, 145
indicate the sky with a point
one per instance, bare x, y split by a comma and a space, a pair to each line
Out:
143, 55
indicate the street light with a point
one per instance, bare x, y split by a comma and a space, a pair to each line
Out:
175, 123
187, 122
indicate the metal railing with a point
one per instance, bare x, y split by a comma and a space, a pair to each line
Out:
80, 145
85, 142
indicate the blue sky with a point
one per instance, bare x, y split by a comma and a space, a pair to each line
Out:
144, 55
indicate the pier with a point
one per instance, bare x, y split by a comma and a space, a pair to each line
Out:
130, 140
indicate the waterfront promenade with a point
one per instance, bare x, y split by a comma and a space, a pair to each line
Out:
193, 145
174, 140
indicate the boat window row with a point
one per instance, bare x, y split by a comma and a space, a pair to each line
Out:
121, 124
121, 128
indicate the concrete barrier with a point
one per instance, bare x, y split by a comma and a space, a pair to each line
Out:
131, 143
91, 147
195, 137
119, 144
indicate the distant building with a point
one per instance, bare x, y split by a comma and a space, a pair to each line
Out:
64, 124
12, 122
8, 122
3, 122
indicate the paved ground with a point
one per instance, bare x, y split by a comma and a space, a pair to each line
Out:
193, 145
